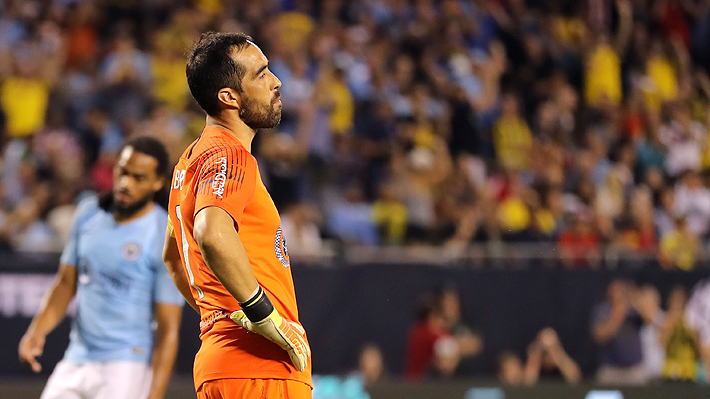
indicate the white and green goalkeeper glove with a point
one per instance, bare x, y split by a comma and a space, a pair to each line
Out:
258, 315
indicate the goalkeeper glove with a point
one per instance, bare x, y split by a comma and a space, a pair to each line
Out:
258, 315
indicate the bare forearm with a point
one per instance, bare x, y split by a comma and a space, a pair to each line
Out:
569, 369
164, 355
532, 368
605, 330
55, 302
226, 257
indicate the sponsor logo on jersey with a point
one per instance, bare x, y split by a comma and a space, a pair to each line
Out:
220, 177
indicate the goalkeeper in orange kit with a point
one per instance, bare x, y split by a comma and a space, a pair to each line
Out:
224, 247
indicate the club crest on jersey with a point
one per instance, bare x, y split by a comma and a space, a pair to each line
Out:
131, 251
220, 177
280, 248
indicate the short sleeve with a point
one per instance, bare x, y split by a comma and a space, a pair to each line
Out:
70, 254
226, 180
165, 290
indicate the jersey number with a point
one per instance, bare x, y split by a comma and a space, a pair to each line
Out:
186, 254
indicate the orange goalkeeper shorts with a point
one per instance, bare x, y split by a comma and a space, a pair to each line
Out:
244, 388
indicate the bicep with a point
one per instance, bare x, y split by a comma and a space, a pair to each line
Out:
214, 224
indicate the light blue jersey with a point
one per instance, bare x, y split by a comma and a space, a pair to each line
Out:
121, 276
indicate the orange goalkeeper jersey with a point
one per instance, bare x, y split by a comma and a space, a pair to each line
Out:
216, 170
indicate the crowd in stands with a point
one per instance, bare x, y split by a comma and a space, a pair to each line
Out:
638, 340
578, 123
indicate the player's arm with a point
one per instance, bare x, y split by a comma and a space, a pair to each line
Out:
171, 258
51, 312
168, 317
224, 254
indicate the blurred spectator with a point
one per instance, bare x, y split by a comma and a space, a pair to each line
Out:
300, 225
511, 134
679, 247
683, 138
342, 107
460, 213
639, 234
513, 212
371, 365
425, 352
469, 342
692, 200
664, 213
352, 220
548, 359
168, 68
353, 386
648, 304
102, 141
580, 243
697, 317
82, 39
24, 94
603, 85
127, 74
680, 341
390, 215
615, 329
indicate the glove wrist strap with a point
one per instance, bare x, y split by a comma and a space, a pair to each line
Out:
258, 307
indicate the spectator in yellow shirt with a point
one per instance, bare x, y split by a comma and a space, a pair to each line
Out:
679, 247
169, 82
24, 97
390, 215
662, 79
512, 138
602, 78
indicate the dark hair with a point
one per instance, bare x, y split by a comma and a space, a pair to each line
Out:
153, 147
427, 305
210, 67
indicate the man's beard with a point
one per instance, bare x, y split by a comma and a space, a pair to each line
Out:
257, 115
128, 210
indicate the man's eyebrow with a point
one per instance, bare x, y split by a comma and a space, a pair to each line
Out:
258, 71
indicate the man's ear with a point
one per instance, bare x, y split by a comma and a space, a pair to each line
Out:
229, 98
160, 183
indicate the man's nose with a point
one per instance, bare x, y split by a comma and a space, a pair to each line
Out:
123, 182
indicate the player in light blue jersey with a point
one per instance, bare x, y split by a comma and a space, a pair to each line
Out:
113, 265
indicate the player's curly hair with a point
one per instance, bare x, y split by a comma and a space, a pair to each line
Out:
210, 67
153, 147
156, 149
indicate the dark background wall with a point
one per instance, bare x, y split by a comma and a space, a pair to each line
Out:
342, 308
